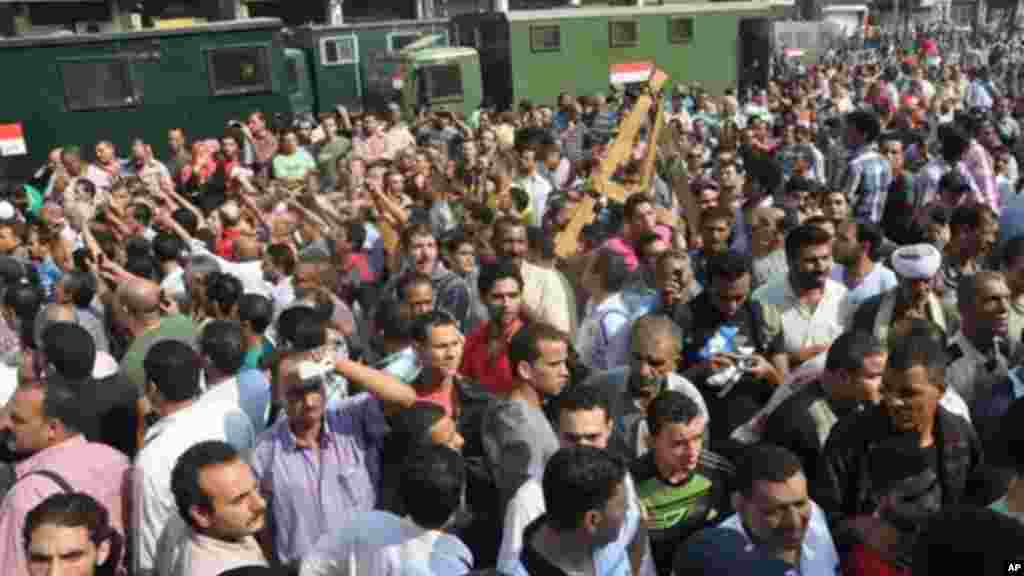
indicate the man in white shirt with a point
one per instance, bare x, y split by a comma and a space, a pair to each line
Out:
535, 185
172, 387
573, 533
810, 307
775, 514
223, 350
583, 420
379, 542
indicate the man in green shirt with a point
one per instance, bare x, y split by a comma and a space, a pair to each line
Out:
136, 309
333, 147
255, 313
292, 163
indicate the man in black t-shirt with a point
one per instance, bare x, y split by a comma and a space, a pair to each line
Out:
728, 347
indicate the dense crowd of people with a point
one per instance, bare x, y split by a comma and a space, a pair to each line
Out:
780, 335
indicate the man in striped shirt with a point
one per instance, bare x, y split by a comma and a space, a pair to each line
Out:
868, 174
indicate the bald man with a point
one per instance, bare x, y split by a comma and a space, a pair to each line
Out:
136, 310
656, 348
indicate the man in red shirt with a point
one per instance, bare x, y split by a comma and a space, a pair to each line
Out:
486, 354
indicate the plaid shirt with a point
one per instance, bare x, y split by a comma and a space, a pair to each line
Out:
866, 183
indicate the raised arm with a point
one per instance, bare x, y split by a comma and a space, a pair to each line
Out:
393, 394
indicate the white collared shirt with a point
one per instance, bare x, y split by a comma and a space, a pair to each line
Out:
208, 418
801, 325
538, 188
377, 542
528, 504
818, 555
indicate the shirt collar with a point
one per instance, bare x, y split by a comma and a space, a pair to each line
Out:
287, 437
45, 454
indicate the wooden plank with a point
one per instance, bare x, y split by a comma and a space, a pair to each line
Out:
567, 240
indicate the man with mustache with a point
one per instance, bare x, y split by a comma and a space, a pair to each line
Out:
728, 331
914, 297
807, 306
656, 345
912, 385
978, 354
221, 512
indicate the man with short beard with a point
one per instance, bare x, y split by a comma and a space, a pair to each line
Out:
807, 306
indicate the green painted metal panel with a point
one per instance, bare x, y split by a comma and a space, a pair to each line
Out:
171, 75
363, 81
581, 66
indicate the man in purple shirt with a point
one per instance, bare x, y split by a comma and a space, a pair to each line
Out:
317, 468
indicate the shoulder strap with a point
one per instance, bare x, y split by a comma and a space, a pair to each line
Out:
53, 476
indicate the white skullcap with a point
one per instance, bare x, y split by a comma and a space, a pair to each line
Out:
6, 211
916, 262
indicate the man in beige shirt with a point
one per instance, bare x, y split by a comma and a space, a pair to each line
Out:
218, 494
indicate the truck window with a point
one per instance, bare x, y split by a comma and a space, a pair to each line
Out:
239, 70
680, 30
545, 38
443, 81
97, 84
622, 33
338, 50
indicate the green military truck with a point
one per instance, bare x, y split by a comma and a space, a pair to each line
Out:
79, 88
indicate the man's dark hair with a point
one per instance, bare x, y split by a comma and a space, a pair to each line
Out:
167, 247
185, 475
866, 123
953, 141
186, 219
81, 286
525, 344
391, 323
922, 344
583, 399
872, 234
224, 290
282, 257
356, 233
969, 217
63, 402
173, 367
611, 268
803, 236
729, 266
410, 280
964, 535
417, 230
765, 463
635, 200
1012, 249
310, 331
541, 242
577, 480
491, 274
289, 319
432, 485
222, 342
71, 350
802, 184
953, 182
69, 510
257, 310
670, 407
848, 351
424, 323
